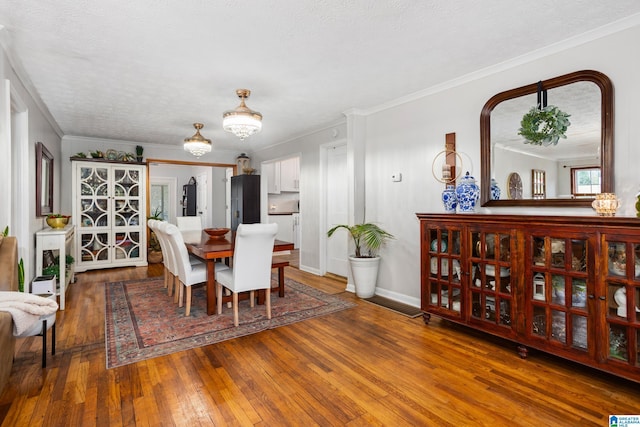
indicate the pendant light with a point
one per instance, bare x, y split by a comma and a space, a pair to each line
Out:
197, 144
242, 122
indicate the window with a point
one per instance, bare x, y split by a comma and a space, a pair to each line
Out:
585, 181
160, 200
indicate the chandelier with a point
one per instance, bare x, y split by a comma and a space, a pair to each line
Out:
197, 144
242, 122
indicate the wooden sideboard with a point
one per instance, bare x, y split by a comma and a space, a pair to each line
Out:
565, 285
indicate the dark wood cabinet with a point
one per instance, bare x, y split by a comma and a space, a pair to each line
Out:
189, 200
569, 286
245, 200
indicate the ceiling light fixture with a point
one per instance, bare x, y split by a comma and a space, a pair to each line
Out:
197, 144
242, 122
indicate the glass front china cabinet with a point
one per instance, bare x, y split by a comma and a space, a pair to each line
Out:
569, 286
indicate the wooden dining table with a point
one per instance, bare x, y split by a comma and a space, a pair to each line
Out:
200, 244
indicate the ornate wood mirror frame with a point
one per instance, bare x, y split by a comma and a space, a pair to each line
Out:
44, 180
606, 139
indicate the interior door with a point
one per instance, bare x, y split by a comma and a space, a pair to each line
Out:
202, 209
337, 210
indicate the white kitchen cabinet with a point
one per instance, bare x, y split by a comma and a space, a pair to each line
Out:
290, 174
109, 210
272, 173
282, 176
285, 226
296, 230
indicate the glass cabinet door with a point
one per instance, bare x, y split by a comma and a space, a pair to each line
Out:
556, 290
490, 268
444, 285
623, 300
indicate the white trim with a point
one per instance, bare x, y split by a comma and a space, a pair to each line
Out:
172, 182
322, 203
22, 197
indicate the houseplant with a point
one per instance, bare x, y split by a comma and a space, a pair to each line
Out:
54, 268
367, 238
139, 151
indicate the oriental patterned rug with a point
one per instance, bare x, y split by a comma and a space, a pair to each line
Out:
143, 322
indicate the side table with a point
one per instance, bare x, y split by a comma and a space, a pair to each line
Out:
62, 240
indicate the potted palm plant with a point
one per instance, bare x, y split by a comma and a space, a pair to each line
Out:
367, 238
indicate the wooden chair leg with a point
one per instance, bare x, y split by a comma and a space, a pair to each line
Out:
235, 309
188, 309
268, 303
176, 288
181, 296
219, 297
252, 297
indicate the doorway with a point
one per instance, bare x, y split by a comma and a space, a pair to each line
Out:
174, 174
336, 199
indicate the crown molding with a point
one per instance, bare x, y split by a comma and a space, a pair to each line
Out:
571, 42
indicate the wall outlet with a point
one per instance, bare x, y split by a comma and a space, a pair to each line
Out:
396, 177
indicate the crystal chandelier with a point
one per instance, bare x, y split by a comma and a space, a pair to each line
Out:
197, 144
242, 122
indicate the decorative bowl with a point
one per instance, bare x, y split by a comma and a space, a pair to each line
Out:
216, 233
58, 222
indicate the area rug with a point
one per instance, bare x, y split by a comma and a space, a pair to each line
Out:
142, 321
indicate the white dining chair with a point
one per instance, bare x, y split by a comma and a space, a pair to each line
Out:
188, 273
168, 257
251, 266
189, 223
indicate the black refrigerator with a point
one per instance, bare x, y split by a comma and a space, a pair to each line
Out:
245, 200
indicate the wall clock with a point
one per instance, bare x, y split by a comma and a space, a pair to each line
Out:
514, 186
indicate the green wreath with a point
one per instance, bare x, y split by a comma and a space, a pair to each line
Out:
544, 126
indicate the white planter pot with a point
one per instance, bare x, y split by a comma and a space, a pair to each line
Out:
365, 275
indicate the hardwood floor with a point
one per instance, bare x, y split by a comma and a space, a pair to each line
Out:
362, 366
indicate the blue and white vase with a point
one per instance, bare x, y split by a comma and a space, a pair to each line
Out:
467, 193
449, 199
495, 190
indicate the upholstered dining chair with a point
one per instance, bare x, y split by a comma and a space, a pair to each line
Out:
251, 265
171, 280
188, 273
189, 223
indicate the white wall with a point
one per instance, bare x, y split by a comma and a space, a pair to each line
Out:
405, 135
74, 144
17, 156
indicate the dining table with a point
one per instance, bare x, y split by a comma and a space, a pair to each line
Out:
210, 249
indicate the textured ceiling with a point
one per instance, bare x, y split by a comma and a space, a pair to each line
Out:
145, 70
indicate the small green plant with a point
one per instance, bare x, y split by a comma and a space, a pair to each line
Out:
544, 126
21, 275
54, 269
5, 233
157, 214
139, 150
367, 238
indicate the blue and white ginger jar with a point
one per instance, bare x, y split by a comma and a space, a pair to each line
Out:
468, 194
495, 190
449, 199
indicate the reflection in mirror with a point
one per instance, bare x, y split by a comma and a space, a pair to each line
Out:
587, 97
44, 180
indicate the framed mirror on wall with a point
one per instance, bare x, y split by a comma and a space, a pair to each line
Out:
587, 96
44, 180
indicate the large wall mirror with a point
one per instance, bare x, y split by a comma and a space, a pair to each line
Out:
44, 180
588, 97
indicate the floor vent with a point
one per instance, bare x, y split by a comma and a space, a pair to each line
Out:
392, 305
